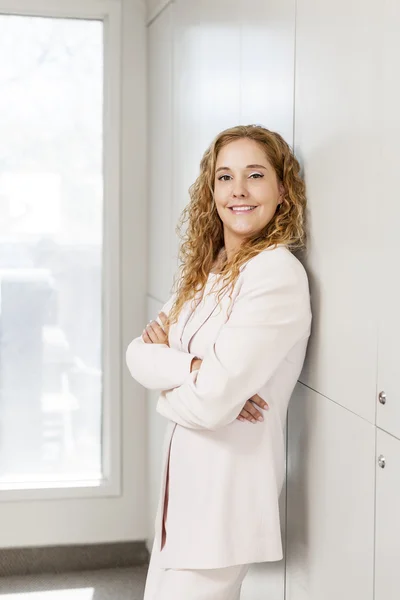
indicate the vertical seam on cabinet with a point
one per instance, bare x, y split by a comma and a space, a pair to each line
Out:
377, 331
286, 509
374, 537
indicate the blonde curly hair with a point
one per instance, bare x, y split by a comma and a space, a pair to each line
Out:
203, 239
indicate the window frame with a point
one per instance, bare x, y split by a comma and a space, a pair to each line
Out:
109, 12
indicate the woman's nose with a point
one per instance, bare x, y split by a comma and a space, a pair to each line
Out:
239, 190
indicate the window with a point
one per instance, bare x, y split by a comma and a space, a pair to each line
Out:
51, 249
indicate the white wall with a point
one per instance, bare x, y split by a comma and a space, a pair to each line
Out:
323, 74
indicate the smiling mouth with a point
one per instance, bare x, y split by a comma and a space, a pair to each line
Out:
242, 210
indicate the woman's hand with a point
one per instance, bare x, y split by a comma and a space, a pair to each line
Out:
154, 333
195, 364
250, 413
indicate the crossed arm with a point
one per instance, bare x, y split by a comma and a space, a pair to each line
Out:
156, 366
270, 315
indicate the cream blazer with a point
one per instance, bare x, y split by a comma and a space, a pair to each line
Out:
225, 475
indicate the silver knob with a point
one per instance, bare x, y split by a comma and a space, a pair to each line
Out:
381, 461
382, 397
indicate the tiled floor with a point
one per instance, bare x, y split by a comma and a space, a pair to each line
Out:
112, 584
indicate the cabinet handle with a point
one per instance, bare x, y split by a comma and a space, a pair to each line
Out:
382, 397
381, 461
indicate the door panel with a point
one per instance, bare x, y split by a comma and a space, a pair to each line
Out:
330, 501
337, 137
387, 547
388, 217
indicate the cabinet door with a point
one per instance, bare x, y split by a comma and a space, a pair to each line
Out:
388, 414
387, 545
330, 501
338, 112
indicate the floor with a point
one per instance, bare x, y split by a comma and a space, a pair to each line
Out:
264, 580
107, 584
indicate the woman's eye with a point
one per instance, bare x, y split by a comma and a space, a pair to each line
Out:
252, 175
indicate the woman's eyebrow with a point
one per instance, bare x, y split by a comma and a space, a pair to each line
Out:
248, 167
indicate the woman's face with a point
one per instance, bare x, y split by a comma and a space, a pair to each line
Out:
246, 190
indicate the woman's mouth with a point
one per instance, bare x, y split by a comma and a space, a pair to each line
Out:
242, 210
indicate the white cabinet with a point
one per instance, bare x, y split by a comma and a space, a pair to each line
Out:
347, 122
387, 544
388, 219
330, 501
337, 137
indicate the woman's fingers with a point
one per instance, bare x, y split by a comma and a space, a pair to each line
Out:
152, 333
146, 337
259, 401
255, 413
250, 413
163, 318
155, 333
246, 416
158, 330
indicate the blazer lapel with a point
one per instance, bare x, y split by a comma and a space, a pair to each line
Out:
199, 316
176, 329
192, 316
196, 319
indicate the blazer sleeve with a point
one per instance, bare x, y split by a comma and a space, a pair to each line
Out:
270, 315
157, 366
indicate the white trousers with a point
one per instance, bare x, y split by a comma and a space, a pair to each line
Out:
192, 584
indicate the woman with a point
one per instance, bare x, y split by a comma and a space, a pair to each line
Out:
232, 337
